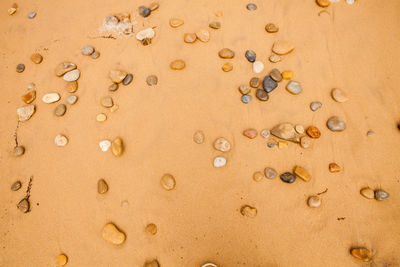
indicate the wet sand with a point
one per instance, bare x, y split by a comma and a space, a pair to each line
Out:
354, 47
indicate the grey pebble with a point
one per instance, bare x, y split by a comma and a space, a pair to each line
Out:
250, 55
24, 205
19, 151
31, 15
20, 68
288, 177
95, 55
87, 50
276, 75
294, 87
144, 11
381, 194
251, 6
128, 79
16, 186
336, 124
270, 173
314, 106
151, 80
246, 98
113, 87
72, 99
269, 84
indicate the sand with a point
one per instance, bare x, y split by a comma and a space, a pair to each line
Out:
353, 47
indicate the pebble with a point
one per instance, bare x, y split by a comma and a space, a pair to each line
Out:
269, 84
271, 144
36, 58
313, 132
31, 15
248, 211
258, 67
244, 89
107, 102
227, 67
95, 55
60, 140
71, 87
251, 6
177, 64
323, 3
215, 25
336, 124
274, 58
285, 131
72, 75
255, 82
60, 110
262, 95
168, 182
29, 97
144, 11
299, 129
24, 205
25, 113
302, 173
175, 22
112, 234
62, 260
209, 264
367, 193
333, 167
114, 108
87, 50
151, 228
128, 79
265, 133
339, 95
282, 47
294, 87
276, 75
270, 173
117, 76
226, 53
113, 87
31, 86
250, 133
271, 28
250, 55
151, 80
198, 137
101, 117
221, 144
287, 74
152, 263
282, 144
370, 132
288, 177
246, 98
305, 142
102, 186
314, 201
72, 99
146, 34
219, 162
361, 253
12, 11
258, 176
314, 106
203, 35
20, 68
105, 145
16, 186
63, 68
189, 38
381, 195
18, 151
50, 98
117, 147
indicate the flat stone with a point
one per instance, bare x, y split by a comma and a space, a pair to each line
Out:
29, 97
72, 75
270, 173
50, 98
63, 68
305, 142
20, 68
102, 186
285, 131
36, 58
226, 53
250, 133
336, 124
221, 144
198, 137
265, 133
117, 76
323, 3
128, 79
25, 113
151, 228
250, 55
227, 67
60, 110
248, 211
203, 35
367, 193
294, 87
258, 176
95, 55
151, 80
18, 151
168, 182
276, 75
258, 67
61, 260
262, 95
151, 263
299, 129
339, 95
147, 33
219, 162
105, 145
175, 22
60, 140
16, 186
101, 117
177, 64
361, 253
287, 74
72, 99
107, 101
244, 89
189, 38
381, 195
314, 201
31, 15
87, 50
255, 82
314, 106
251, 6
71, 87
215, 25
269, 84
144, 11
313, 132
117, 147
282, 47
288, 177
271, 28
112, 234
333, 167
302, 173
274, 58
24, 205
246, 98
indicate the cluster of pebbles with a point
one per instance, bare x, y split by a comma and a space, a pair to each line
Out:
89, 50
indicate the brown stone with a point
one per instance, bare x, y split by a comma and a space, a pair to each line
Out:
282, 47
333, 167
189, 38
226, 53
29, 97
112, 234
117, 147
60, 110
323, 3
367, 193
248, 211
302, 173
258, 176
116, 76
151, 228
271, 28
255, 82
16, 186
274, 58
276, 75
19, 151
24, 205
227, 67
313, 132
71, 87
250, 133
107, 102
361, 253
168, 182
203, 35
215, 25
177, 64
244, 89
102, 186
36, 58
63, 68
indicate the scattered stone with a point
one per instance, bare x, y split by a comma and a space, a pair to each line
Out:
36, 58
60, 140
189, 38
271, 28
250, 55
102, 186
105, 145
313, 132
29, 97
251, 6
95, 55
272, 144
360, 253
305, 142
323, 3
227, 67
25, 113
72, 75
168, 182
226, 53
262, 95
221, 144
128, 79
333, 167
244, 89
219, 162
72, 99
294, 87
276, 75
258, 67
117, 76
87, 50
287, 74
258, 176
50, 98
265, 133
381, 195
314, 106
60, 110
255, 82
270, 173
274, 58
151, 80
62, 260
71, 87
117, 147
302, 173
177, 64
282, 47
175, 22
248, 211
338, 95
314, 201
367, 193
101, 117
250, 133
215, 25
112, 234
20, 68
246, 98
145, 36
16, 186
63, 68
203, 35
285, 131
198, 137
288, 177
282, 144
18, 151
151, 228
113, 87
299, 129
11, 11
24, 205
336, 124
269, 84
370, 132
144, 11
152, 263
31, 15
107, 101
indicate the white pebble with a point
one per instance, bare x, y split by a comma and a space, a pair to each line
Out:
60, 140
258, 67
72, 75
105, 145
219, 162
51, 98
145, 34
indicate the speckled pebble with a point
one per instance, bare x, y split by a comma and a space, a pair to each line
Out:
314, 106
219, 162
251, 6
336, 124
381, 195
269, 84
87, 50
262, 95
246, 98
270, 173
151, 80
288, 177
250, 55
31, 15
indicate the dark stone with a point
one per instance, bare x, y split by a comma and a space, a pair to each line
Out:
128, 79
276, 75
288, 177
251, 7
20, 68
250, 55
269, 84
144, 11
246, 98
381, 195
262, 95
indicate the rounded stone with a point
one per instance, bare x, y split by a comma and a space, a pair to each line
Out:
276, 75
151, 228
305, 142
60, 140
24, 205
117, 147
294, 87
314, 201
244, 89
117, 76
144, 11
112, 234
107, 102
339, 95
288, 177
381, 195
227, 67
265, 133
72, 75
246, 98
168, 182
258, 67
262, 95
198, 137
251, 6
221, 144
105, 145
271, 28
63, 68
31, 15
313, 132
314, 106
151, 80
203, 35
61, 260
336, 124
102, 186
226, 53
87, 50
50, 98
71, 87
287, 74
16, 186
175, 22
189, 38
209, 264
282, 47
219, 162
367, 193
177, 64
250, 133
274, 58
101, 117
323, 3
215, 25
95, 55
113, 87
20, 68
269, 84
302, 173
248, 211
255, 82
333, 167
72, 99
285, 131
361, 253
128, 79
258, 176
36, 58
18, 151
250, 55
60, 110
270, 173
299, 128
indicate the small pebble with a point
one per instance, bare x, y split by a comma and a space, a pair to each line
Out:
198, 137
221, 144
151, 228
336, 124
323, 3
113, 87
101, 117
285, 131
246, 98
282, 47
117, 147
72, 75
60, 140
227, 67
314, 106
114, 108
313, 132
269, 84
288, 177
215, 25
117, 76
18, 151
333, 167
250, 55
16, 186
168, 182
272, 144
11, 11
244, 89
154, 6
226, 53
95, 55
262, 95
128, 79
87, 50
305, 142
203, 35
31, 15
175, 22
145, 36
265, 133
61, 260
112, 234
105, 145
24, 205
209, 264
36, 58
29, 97
60, 110
50, 98
151, 263
367, 193
177, 64
339, 96
72, 99
314, 201
151, 80
276, 75
258, 176
250, 133
251, 6
219, 162
270, 173
102, 186
361, 254
287, 74
71, 87
299, 129
302, 173
144, 11
20, 68
63, 68
248, 211
274, 58
271, 28
255, 82
370, 132
294, 87
258, 67
189, 38
381, 195
107, 102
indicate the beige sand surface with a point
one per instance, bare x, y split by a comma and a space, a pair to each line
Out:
354, 47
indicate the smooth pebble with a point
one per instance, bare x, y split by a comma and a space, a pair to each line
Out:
105, 145
72, 75
168, 182
270, 173
269, 84
294, 87
87, 50
112, 234
258, 67
72, 99
250, 55
246, 98
50, 98
60, 110
219, 162
288, 177
336, 124
314, 106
